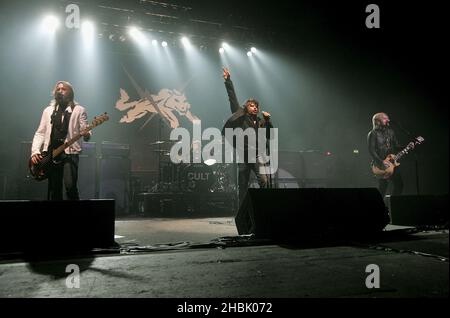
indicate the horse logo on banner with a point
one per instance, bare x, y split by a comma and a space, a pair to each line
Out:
169, 104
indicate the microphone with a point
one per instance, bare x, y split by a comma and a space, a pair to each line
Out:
268, 116
400, 126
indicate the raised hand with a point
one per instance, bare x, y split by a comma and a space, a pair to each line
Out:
226, 73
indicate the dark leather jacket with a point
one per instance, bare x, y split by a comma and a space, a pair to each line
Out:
381, 142
239, 117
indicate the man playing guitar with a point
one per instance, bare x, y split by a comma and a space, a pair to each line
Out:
382, 142
60, 121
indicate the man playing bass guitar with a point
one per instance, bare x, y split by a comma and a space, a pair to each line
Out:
60, 121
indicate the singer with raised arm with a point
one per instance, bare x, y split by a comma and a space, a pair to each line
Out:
382, 143
245, 117
62, 120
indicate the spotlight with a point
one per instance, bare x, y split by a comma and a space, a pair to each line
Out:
164, 43
134, 32
154, 42
50, 23
87, 27
221, 50
87, 30
225, 45
253, 50
185, 41
249, 53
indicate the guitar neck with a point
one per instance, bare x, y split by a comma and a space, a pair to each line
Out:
402, 153
68, 143
97, 121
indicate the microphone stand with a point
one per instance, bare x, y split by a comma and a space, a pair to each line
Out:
269, 184
416, 161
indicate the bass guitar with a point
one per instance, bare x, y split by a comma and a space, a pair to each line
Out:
39, 171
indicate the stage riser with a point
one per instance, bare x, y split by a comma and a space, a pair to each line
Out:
56, 227
186, 204
300, 215
418, 210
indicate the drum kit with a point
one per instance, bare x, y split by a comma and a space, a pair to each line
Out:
205, 177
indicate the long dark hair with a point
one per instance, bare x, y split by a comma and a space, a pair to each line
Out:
251, 101
69, 87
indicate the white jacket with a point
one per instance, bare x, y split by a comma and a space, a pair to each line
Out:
78, 121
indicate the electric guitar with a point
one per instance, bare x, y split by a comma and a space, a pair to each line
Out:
39, 171
392, 160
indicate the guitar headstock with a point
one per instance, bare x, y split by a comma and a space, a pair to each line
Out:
419, 140
99, 119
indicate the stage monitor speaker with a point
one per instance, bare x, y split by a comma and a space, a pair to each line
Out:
308, 215
56, 227
418, 210
115, 175
87, 172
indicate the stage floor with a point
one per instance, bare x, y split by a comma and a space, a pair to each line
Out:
180, 258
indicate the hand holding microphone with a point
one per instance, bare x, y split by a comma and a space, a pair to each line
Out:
266, 115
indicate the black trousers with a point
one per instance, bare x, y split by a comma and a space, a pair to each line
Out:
244, 176
66, 171
396, 181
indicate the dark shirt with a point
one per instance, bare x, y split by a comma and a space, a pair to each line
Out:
60, 124
381, 142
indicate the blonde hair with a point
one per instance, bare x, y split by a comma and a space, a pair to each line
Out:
68, 86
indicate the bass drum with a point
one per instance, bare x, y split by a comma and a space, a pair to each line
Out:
197, 177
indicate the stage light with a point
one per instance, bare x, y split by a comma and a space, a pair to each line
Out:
87, 27
87, 30
221, 50
164, 43
50, 23
185, 41
154, 42
225, 45
253, 50
137, 34
134, 32
249, 53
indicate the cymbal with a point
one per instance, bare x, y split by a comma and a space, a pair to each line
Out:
160, 142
